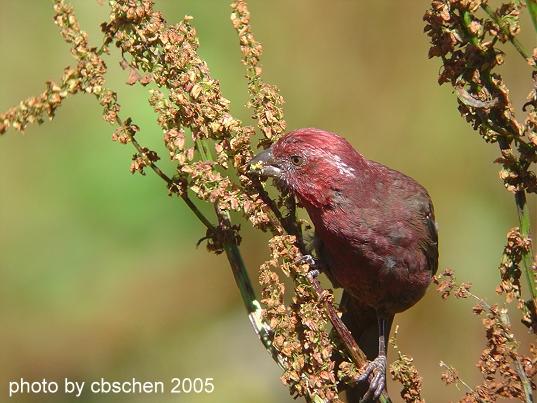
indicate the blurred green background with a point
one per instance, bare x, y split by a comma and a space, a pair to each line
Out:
99, 273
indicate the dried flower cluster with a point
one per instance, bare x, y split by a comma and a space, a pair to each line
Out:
515, 249
300, 330
265, 99
446, 285
467, 44
403, 371
86, 76
499, 359
198, 130
506, 373
451, 375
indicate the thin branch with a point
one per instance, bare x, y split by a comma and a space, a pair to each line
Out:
279, 222
355, 353
291, 221
523, 212
516, 43
240, 274
169, 181
519, 368
532, 8
504, 144
459, 379
244, 284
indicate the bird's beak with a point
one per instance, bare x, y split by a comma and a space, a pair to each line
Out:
264, 165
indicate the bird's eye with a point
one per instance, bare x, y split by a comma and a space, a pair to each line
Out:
297, 160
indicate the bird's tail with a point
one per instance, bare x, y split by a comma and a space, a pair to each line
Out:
361, 320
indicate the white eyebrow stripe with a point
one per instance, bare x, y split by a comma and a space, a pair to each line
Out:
342, 167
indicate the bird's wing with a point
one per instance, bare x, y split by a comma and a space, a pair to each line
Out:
413, 205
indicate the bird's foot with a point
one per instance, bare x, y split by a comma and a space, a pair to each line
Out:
312, 263
377, 383
308, 259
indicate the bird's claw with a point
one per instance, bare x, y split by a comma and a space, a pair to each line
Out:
309, 260
312, 263
377, 383
313, 274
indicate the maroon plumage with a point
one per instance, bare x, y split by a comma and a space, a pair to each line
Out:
375, 234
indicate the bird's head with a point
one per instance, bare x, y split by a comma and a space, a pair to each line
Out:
312, 163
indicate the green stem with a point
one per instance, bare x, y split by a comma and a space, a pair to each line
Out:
526, 383
524, 219
197, 212
240, 274
467, 18
201, 145
532, 8
516, 43
253, 307
523, 212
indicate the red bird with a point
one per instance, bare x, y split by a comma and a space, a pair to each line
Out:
375, 233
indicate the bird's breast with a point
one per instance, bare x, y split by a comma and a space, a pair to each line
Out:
376, 268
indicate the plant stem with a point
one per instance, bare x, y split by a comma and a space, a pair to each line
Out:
169, 181
524, 221
253, 307
526, 384
532, 8
240, 274
523, 212
467, 18
355, 353
516, 43
506, 324
459, 379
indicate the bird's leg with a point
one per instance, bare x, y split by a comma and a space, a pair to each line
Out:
377, 367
